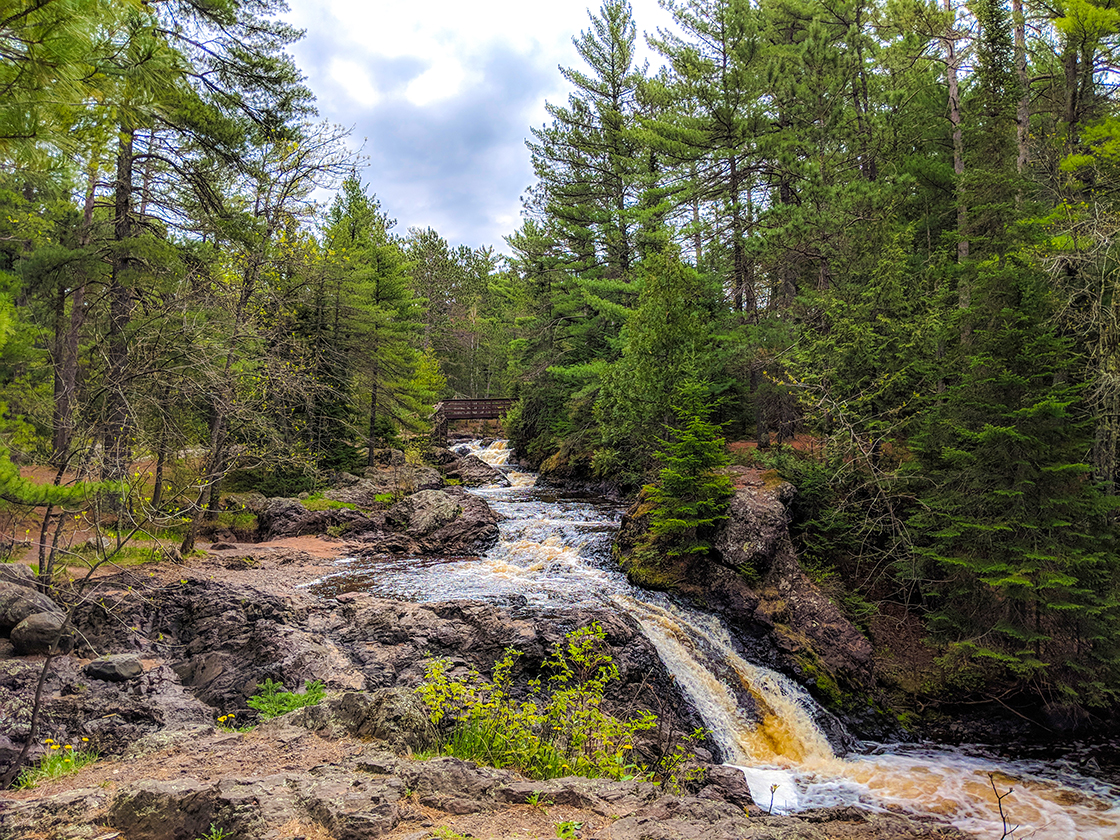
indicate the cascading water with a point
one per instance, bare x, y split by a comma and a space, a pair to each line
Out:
553, 550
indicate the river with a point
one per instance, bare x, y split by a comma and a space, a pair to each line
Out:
553, 550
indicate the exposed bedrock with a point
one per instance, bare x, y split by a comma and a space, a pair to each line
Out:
752, 579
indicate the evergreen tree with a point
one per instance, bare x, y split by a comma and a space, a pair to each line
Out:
1019, 564
691, 492
380, 317
672, 337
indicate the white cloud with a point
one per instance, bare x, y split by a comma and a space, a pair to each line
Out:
355, 81
442, 80
446, 92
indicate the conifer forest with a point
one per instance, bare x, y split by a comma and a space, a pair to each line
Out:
869, 247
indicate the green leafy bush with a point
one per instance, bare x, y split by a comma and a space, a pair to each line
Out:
559, 732
271, 700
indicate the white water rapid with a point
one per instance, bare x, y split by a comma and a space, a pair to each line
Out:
554, 550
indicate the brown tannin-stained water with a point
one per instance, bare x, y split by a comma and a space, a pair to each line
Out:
554, 550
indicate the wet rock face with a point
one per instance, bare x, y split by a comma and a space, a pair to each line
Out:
754, 581
472, 471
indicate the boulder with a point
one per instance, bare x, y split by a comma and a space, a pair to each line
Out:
440, 456
252, 501
422, 513
394, 715
289, 518
451, 522
472, 471
38, 633
384, 481
17, 602
120, 667
279, 516
389, 457
18, 573
756, 528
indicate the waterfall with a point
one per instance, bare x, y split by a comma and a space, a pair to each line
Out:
553, 549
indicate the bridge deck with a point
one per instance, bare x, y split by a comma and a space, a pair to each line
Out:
485, 409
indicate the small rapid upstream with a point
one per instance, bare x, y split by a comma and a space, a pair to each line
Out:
554, 550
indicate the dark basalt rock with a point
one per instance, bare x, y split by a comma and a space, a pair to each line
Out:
120, 667
781, 617
365, 797
40, 632
450, 522
289, 518
18, 601
18, 573
472, 471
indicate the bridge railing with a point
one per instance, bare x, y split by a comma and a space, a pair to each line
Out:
483, 409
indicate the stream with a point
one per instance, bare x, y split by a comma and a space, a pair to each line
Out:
554, 550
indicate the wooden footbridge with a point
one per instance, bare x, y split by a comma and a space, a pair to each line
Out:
448, 410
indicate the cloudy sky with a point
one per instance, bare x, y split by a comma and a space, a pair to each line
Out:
441, 95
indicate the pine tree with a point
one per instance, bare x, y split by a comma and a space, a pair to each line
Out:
380, 316
691, 492
1019, 563
673, 336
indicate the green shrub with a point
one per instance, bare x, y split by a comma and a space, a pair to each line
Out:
559, 732
271, 700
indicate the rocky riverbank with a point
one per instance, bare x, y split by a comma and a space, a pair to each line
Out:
203, 639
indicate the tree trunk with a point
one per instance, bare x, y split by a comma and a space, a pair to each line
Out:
745, 303
117, 425
66, 346
952, 68
372, 437
161, 460
1023, 112
697, 239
